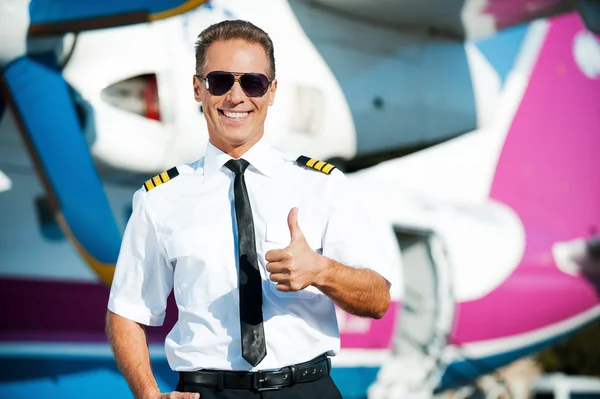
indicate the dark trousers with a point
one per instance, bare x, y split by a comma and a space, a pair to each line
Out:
324, 388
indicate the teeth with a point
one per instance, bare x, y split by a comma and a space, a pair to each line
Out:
235, 115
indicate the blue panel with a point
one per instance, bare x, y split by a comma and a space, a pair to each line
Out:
46, 107
64, 377
353, 382
72, 378
502, 49
50, 11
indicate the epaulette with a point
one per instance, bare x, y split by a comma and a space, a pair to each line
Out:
321, 166
161, 178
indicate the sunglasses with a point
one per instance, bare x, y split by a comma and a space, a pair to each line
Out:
219, 83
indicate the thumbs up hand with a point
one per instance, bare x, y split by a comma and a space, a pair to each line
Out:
295, 232
294, 267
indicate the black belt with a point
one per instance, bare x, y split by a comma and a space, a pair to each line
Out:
260, 380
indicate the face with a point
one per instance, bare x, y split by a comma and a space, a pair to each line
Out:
235, 121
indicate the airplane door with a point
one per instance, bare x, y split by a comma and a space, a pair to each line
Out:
428, 304
425, 319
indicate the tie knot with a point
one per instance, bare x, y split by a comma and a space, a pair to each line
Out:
237, 166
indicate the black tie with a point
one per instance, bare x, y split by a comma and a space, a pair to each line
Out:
251, 320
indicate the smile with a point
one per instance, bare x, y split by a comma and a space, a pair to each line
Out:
234, 115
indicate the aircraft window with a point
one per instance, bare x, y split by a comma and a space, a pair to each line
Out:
308, 110
138, 94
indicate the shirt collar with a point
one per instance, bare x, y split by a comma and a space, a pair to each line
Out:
261, 157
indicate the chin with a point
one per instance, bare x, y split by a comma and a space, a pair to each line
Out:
238, 136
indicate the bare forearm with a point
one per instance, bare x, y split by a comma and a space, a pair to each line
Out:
128, 342
361, 292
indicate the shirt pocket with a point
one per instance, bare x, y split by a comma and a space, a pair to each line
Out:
201, 273
277, 236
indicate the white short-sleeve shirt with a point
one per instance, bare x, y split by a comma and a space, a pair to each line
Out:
182, 236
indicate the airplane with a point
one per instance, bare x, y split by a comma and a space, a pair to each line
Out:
127, 134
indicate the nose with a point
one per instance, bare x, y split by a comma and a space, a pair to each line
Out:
236, 94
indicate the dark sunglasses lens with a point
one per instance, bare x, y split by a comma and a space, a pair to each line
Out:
254, 84
219, 83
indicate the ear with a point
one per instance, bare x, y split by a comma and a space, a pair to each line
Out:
198, 87
271, 92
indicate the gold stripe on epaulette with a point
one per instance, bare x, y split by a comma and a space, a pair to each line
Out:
321, 166
327, 168
161, 178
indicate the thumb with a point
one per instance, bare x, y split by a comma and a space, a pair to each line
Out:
295, 232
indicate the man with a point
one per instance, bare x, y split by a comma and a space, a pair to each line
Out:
257, 246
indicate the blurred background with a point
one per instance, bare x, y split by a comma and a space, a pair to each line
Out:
469, 128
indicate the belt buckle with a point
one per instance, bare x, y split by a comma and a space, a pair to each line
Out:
257, 380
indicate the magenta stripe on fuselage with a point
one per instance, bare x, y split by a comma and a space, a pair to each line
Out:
549, 174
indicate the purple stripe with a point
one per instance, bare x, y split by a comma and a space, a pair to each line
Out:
61, 336
59, 311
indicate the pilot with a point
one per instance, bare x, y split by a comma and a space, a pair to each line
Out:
257, 246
